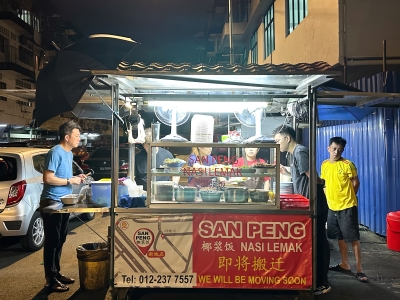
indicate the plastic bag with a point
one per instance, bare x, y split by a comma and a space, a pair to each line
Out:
92, 252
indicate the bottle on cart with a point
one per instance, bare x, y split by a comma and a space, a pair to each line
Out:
89, 195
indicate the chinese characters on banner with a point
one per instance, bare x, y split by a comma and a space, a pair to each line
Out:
252, 251
256, 251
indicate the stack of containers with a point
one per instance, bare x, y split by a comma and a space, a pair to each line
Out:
285, 187
202, 129
294, 201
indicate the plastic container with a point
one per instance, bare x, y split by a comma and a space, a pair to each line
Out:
186, 194
94, 266
134, 191
393, 230
294, 201
164, 190
155, 131
101, 193
211, 196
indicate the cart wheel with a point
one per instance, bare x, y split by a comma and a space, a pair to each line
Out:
135, 293
120, 294
305, 295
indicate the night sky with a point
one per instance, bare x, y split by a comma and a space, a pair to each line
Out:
165, 29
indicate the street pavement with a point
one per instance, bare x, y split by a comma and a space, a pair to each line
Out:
21, 273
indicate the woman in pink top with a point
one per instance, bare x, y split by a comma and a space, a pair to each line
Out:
249, 159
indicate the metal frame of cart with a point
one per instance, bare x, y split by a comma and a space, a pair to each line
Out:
274, 85
210, 245
257, 87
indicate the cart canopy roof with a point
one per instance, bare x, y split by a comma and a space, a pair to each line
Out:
276, 84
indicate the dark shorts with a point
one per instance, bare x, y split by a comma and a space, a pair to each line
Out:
343, 224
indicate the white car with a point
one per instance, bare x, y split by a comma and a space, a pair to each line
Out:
21, 184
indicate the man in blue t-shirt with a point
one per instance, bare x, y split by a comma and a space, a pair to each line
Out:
58, 181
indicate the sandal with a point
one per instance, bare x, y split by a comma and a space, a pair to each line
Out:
362, 277
64, 279
338, 268
57, 287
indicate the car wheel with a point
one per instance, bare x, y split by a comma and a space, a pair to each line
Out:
88, 216
34, 238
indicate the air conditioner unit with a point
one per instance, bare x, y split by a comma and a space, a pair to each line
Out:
23, 39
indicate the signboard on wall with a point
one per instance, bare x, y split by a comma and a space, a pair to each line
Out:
213, 250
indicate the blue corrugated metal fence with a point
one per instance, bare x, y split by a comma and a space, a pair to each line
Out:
373, 144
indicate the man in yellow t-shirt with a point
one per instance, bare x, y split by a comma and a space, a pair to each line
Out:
341, 186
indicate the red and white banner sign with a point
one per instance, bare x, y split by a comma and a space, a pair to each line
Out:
252, 251
213, 250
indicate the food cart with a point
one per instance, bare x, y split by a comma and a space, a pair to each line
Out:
232, 241
221, 244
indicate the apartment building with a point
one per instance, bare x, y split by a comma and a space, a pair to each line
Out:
357, 37
20, 57
30, 33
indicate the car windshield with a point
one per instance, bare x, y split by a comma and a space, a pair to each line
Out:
106, 152
101, 152
8, 168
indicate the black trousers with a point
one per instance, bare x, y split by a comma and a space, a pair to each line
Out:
323, 252
323, 255
55, 234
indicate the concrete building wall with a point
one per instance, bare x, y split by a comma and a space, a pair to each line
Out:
332, 31
9, 33
16, 114
11, 111
367, 24
316, 38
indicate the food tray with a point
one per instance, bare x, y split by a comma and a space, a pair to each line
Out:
247, 170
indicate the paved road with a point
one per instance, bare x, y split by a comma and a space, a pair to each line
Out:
21, 273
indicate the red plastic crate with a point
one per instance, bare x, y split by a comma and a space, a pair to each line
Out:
294, 201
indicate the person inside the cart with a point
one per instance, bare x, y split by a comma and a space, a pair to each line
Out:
285, 136
248, 159
201, 159
141, 162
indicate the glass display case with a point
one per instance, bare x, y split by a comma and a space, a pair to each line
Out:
216, 175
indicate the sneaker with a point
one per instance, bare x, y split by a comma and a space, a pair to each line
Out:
322, 290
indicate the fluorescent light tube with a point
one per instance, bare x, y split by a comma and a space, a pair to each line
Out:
210, 106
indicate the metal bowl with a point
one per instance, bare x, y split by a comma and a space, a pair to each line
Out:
211, 196
236, 195
172, 169
266, 169
70, 199
185, 194
175, 165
